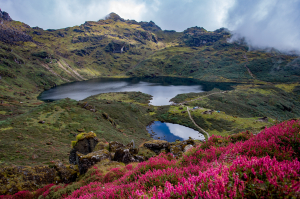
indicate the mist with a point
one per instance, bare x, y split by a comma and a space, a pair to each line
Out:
266, 24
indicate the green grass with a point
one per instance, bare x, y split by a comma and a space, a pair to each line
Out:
26, 69
23, 136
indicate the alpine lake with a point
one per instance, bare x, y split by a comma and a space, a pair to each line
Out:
161, 88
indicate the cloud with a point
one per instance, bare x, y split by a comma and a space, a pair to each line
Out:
181, 14
169, 14
266, 23
55, 14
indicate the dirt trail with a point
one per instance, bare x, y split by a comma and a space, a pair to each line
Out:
188, 110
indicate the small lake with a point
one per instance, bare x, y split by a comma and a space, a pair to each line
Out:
161, 88
171, 132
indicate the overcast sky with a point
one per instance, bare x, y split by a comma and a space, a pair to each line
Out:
265, 23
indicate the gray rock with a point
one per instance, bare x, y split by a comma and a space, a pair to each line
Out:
157, 145
86, 161
124, 155
84, 146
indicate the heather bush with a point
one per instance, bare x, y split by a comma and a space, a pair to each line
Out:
238, 166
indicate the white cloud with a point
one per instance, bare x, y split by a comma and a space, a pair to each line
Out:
267, 23
129, 9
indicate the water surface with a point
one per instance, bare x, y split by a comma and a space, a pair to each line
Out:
161, 88
172, 132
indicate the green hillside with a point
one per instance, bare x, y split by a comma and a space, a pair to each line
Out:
33, 59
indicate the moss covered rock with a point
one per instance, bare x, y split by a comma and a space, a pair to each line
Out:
113, 146
84, 144
124, 155
88, 160
157, 145
14, 179
66, 174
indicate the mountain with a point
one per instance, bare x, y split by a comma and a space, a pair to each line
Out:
33, 59
35, 133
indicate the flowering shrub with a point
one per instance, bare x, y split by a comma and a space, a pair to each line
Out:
238, 166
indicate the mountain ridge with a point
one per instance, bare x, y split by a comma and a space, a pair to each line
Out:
34, 133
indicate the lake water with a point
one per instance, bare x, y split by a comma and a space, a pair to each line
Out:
161, 88
172, 132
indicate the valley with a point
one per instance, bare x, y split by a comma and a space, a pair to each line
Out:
243, 92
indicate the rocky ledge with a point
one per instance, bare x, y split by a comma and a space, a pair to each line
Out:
86, 151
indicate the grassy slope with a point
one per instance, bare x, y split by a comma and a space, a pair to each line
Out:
54, 57
23, 136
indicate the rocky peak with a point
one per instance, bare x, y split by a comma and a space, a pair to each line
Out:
5, 16
114, 17
195, 31
151, 26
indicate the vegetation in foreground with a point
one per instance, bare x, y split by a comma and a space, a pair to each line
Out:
238, 166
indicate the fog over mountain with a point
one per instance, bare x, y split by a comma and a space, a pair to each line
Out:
265, 23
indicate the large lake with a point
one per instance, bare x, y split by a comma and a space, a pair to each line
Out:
161, 88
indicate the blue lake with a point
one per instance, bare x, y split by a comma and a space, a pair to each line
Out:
172, 132
161, 88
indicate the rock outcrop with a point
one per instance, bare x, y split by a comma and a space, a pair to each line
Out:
5, 16
157, 145
14, 179
84, 144
65, 174
88, 150
86, 161
12, 34
176, 148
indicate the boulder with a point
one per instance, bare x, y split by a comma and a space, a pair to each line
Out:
124, 155
84, 144
67, 174
190, 141
263, 119
113, 146
176, 150
86, 161
157, 145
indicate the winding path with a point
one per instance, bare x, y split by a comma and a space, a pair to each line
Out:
188, 110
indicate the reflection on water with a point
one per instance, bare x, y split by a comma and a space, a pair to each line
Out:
81, 90
171, 132
161, 88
